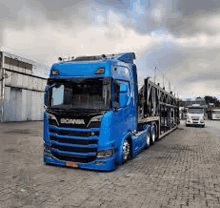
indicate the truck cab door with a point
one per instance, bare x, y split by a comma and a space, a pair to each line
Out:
121, 110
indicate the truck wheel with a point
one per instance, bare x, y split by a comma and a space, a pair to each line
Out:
148, 139
153, 135
126, 151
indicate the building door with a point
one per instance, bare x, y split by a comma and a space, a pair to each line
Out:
13, 104
16, 102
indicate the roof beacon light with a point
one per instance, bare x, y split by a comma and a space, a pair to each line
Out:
100, 70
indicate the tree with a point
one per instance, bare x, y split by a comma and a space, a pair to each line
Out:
210, 99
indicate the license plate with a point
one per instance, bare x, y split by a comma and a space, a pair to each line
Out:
71, 164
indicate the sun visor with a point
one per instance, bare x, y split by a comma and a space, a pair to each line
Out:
78, 69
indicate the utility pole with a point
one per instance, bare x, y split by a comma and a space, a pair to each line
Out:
169, 86
155, 74
163, 78
155, 70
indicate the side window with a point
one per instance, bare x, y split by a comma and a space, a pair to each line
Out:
122, 93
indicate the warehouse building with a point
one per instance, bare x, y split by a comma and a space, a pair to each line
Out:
21, 92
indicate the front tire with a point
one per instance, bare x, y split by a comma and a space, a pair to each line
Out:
126, 151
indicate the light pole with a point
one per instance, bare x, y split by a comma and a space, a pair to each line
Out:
169, 86
155, 68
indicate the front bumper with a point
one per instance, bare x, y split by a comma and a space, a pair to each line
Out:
102, 164
193, 123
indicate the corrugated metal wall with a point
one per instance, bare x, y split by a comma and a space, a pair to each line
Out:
1, 87
24, 81
22, 105
23, 97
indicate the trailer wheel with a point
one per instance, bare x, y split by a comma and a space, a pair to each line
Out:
153, 135
148, 139
126, 151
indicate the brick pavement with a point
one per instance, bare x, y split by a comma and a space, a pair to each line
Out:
181, 170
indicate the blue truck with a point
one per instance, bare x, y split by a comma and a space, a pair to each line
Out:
96, 117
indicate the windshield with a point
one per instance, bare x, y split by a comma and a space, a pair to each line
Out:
196, 110
80, 94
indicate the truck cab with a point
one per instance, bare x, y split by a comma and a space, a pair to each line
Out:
195, 115
213, 112
90, 108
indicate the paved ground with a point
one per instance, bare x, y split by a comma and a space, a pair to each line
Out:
181, 170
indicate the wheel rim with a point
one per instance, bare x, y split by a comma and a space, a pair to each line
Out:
153, 135
125, 150
148, 138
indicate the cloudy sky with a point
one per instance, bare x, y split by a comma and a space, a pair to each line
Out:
181, 38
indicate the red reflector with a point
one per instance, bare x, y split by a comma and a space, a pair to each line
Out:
71, 164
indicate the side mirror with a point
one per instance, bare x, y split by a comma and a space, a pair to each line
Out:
46, 95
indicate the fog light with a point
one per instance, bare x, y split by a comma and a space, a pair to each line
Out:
106, 153
92, 133
99, 163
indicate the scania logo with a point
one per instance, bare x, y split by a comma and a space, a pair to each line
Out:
71, 121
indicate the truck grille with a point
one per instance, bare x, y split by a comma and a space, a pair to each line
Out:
73, 141
72, 149
195, 118
74, 145
73, 133
74, 159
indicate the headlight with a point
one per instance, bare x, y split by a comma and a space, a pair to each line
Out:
100, 70
106, 153
52, 117
47, 148
95, 122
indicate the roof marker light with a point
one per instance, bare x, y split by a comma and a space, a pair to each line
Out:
100, 70
54, 72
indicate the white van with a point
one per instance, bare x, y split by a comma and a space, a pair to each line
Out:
195, 115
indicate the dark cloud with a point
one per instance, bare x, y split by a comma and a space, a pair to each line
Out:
193, 7
169, 58
187, 68
179, 17
203, 76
